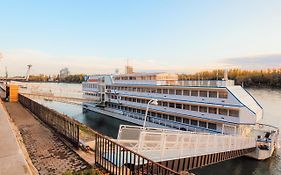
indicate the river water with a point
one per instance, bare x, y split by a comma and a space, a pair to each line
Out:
269, 99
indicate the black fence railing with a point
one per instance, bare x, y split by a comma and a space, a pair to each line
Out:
119, 160
63, 125
111, 156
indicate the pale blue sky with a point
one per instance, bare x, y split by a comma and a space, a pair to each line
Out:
164, 35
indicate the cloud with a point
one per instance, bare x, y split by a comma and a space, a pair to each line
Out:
254, 62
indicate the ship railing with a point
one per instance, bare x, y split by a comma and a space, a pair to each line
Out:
167, 123
161, 144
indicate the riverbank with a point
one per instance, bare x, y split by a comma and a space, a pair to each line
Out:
12, 157
48, 153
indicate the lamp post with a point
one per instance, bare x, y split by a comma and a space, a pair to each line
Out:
152, 101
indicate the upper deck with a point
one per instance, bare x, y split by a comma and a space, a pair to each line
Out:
166, 79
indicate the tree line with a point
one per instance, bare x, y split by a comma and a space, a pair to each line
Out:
77, 78
247, 78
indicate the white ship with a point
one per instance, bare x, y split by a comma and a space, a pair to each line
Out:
161, 100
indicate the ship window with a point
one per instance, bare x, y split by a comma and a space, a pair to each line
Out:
187, 107
142, 90
179, 92
203, 124
179, 106
178, 119
233, 113
147, 90
159, 115
185, 120
222, 111
160, 103
171, 117
134, 100
203, 94
194, 122
165, 91
134, 110
194, 93
212, 126
165, 116
143, 111
186, 92
203, 109
171, 91
222, 94
212, 110
138, 100
165, 103
153, 90
213, 94
134, 89
171, 105
159, 91
194, 108
153, 114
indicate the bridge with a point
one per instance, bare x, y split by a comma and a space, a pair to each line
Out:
181, 151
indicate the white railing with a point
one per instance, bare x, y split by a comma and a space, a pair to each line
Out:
165, 144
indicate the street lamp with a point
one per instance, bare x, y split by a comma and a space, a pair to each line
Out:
152, 101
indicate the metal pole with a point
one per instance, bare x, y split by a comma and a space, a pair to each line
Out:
145, 116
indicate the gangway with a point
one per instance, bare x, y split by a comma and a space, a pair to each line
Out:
184, 150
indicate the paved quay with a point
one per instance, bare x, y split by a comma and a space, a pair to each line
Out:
12, 159
48, 153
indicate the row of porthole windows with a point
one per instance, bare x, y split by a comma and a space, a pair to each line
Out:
185, 106
166, 116
184, 92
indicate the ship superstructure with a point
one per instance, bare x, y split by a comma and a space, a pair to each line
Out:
216, 106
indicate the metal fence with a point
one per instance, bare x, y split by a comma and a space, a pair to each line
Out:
63, 125
119, 160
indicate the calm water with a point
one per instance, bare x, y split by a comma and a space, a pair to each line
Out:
269, 99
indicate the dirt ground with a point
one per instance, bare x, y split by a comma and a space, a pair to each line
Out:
46, 151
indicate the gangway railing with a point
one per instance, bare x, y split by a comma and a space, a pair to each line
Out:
166, 144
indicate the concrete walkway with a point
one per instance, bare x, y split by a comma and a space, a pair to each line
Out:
11, 156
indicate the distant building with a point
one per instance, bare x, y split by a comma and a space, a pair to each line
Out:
64, 73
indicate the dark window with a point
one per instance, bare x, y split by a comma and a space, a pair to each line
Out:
179, 92
203, 124
203, 94
171, 91
186, 92
212, 110
171, 105
194, 93
178, 119
186, 107
165, 116
203, 109
165, 91
212, 126
159, 91
185, 120
153, 90
194, 108
165, 103
213, 94
171, 117
194, 122
160, 103
233, 113
178, 106
222, 111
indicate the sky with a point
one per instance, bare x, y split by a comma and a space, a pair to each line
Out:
181, 36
